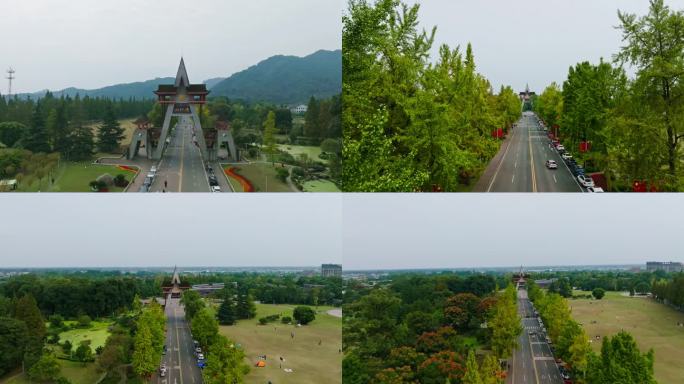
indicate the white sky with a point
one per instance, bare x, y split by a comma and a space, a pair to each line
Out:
88, 44
139, 230
399, 231
531, 41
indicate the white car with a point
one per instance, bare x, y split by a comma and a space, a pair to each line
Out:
566, 156
198, 350
560, 148
216, 188
153, 169
585, 181
595, 189
200, 356
551, 164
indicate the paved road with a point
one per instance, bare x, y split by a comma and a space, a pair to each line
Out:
180, 359
533, 361
522, 166
181, 166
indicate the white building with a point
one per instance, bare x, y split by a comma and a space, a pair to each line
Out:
300, 109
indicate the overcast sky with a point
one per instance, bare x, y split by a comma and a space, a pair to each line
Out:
88, 44
138, 230
531, 41
391, 231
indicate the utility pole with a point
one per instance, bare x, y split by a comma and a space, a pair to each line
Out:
10, 77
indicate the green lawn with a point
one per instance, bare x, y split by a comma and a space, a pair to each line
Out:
97, 334
262, 176
311, 363
320, 186
75, 372
75, 177
296, 150
652, 324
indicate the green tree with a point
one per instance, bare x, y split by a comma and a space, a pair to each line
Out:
226, 312
84, 353
225, 363
598, 293
472, 371
11, 132
621, 362
13, 338
505, 324
303, 314
655, 46
36, 139
312, 126
205, 327
144, 359
47, 368
110, 133
27, 311
490, 370
269, 136
193, 303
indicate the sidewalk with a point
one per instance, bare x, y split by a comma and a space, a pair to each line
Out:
486, 177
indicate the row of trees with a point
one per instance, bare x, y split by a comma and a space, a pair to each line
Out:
618, 281
670, 291
65, 125
148, 341
411, 124
620, 360
73, 295
224, 360
634, 125
393, 334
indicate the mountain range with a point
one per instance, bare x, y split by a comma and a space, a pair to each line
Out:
279, 80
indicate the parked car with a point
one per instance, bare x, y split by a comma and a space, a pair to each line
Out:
162, 370
200, 356
566, 156
560, 148
585, 181
551, 164
213, 180
595, 189
198, 350
215, 188
153, 169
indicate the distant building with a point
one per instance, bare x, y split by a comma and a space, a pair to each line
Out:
300, 109
331, 270
667, 266
544, 283
207, 289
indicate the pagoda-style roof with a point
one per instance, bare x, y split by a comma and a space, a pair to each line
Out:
192, 89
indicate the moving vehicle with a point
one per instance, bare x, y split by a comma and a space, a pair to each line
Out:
162, 370
585, 181
551, 164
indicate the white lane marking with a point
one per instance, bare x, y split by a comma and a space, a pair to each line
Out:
516, 164
513, 179
501, 162
554, 179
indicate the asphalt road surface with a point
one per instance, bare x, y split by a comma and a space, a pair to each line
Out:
180, 360
522, 168
532, 361
181, 168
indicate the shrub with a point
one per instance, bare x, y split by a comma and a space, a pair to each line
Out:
304, 315
120, 181
286, 319
282, 174
84, 321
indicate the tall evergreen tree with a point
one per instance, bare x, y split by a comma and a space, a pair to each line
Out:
27, 311
81, 140
226, 312
36, 139
312, 126
110, 133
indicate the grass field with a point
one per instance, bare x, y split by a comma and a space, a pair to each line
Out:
75, 177
311, 363
75, 372
652, 324
296, 150
262, 176
320, 186
97, 334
